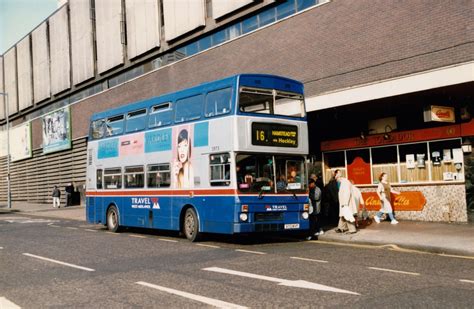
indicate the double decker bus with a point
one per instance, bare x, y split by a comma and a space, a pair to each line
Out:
226, 156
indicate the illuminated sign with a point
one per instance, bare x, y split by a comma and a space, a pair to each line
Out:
272, 134
439, 114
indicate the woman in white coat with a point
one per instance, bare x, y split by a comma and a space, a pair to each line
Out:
347, 205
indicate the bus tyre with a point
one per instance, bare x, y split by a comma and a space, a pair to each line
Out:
113, 219
191, 225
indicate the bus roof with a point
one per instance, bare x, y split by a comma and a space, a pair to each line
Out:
250, 80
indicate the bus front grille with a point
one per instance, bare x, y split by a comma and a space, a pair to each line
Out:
268, 227
268, 216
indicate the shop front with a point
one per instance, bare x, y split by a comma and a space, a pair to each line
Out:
428, 167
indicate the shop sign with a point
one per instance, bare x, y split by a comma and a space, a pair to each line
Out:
359, 171
439, 114
406, 201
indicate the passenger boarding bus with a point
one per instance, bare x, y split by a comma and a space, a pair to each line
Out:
226, 156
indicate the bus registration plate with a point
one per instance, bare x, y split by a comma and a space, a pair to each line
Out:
292, 226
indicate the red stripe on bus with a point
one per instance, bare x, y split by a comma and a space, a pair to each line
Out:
161, 192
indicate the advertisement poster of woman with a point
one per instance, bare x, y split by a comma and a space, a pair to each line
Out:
182, 163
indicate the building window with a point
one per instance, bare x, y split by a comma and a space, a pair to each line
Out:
158, 176
447, 160
334, 161
413, 163
385, 160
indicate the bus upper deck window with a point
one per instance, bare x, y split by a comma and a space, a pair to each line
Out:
114, 126
218, 102
160, 115
98, 129
136, 121
188, 109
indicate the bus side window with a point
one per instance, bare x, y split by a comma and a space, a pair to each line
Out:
134, 177
219, 169
98, 182
97, 129
114, 126
218, 102
188, 109
113, 178
136, 121
160, 115
158, 176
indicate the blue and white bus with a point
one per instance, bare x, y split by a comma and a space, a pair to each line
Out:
226, 156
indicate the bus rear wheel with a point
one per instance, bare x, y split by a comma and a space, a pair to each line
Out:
113, 219
191, 225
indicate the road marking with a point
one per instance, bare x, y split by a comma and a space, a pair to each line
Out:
58, 262
89, 230
310, 260
52, 225
112, 233
457, 256
1, 248
210, 301
248, 251
168, 240
209, 246
6, 304
138, 236
467, 281
291, 283
395, 271
71, 228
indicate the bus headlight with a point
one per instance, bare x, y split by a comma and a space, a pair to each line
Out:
243, 217
305, 215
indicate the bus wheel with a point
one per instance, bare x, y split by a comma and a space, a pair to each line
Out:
113, 219
191, 225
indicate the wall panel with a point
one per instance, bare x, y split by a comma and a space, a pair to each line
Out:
82, 50
25, 73
41, 78
223, 7
108, 32
183, 16
143, 28
11, 80
2, 89
59, 50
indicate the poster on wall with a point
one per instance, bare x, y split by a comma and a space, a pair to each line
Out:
20, 142
410, 159
57, 130
3, 143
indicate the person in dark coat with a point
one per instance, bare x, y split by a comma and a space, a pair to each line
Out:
69, 190
331, 202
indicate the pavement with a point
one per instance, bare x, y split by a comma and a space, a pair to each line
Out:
433, 237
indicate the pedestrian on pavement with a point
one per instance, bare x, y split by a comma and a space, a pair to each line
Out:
347, 206
56, 196
383, 191
331, 200
315, 224
69, 190
358, 200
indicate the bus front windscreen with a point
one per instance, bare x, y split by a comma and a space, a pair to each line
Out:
268, 173
273, 102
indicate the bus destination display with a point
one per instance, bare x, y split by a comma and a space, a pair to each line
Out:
272, 134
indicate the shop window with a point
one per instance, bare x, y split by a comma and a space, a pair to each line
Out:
413, 163
158, 176
334, 161
446, 160
385, 160
134, 177
358, 166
